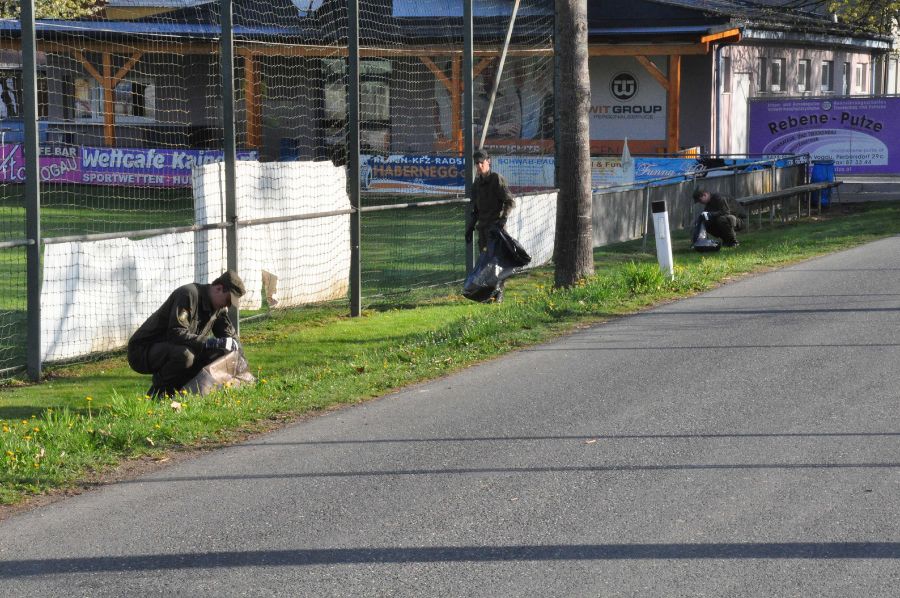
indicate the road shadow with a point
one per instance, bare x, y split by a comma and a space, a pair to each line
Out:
12, 569
487, 471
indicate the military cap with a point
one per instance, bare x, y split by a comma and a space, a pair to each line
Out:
232, 283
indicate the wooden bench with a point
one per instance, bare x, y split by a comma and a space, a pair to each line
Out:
775, 196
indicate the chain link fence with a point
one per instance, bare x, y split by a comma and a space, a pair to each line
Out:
148, 180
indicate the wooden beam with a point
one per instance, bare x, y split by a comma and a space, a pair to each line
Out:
730, 35
439, 74
647, 49
673, 105
126, 68
482, 64
456, 103
282, 50
251, 101
109, 102
88, 66
654, 71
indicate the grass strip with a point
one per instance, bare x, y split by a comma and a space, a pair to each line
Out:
86, 419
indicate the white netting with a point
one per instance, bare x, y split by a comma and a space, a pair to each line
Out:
132, 137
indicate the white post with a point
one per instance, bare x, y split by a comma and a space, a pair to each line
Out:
663, 238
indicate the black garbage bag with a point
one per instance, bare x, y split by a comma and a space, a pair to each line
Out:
700, 240
503, 258
512, 249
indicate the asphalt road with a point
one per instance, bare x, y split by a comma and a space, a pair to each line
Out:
745, 442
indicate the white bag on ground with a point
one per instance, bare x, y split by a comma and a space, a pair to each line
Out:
230, 370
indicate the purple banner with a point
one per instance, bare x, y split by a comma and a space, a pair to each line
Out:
861, 135
110, 166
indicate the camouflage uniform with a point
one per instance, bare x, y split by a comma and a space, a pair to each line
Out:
170, 344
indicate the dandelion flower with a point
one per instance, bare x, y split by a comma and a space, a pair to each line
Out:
88, 399
36, 429
27, 437
6, 428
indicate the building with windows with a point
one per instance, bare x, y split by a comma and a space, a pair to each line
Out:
753, 49
665, 74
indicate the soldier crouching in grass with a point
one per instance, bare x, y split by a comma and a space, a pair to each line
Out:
175, 342
717, 216
491, 204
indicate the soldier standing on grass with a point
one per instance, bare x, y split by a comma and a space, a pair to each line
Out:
174, 344
491, 204
717, 217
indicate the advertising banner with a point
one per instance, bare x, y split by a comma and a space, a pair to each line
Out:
610, 171
411, 174
626, 101
110, 166
861, 135
420, 174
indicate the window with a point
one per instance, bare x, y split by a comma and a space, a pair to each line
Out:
862, 77
845, 79
11, 90
761, 72
892, 76
374, 90
726, 74
776, 80
133, 99
374, 103
827, 76
803, 69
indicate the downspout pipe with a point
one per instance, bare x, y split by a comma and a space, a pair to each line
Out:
718, 92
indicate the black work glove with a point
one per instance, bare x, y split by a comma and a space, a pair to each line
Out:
221, 344
501, 222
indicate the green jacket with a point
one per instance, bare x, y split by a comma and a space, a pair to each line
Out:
717, 206
186, 318
491, 200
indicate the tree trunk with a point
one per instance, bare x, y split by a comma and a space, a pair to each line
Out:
573, 251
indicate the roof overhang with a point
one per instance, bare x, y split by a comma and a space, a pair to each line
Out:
817, 39
659, 41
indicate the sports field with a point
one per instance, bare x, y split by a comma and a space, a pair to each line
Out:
402, 250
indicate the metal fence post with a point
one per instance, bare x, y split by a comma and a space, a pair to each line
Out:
353, 154
468, 118
774, 176
645, 222
230, 144
32, 192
